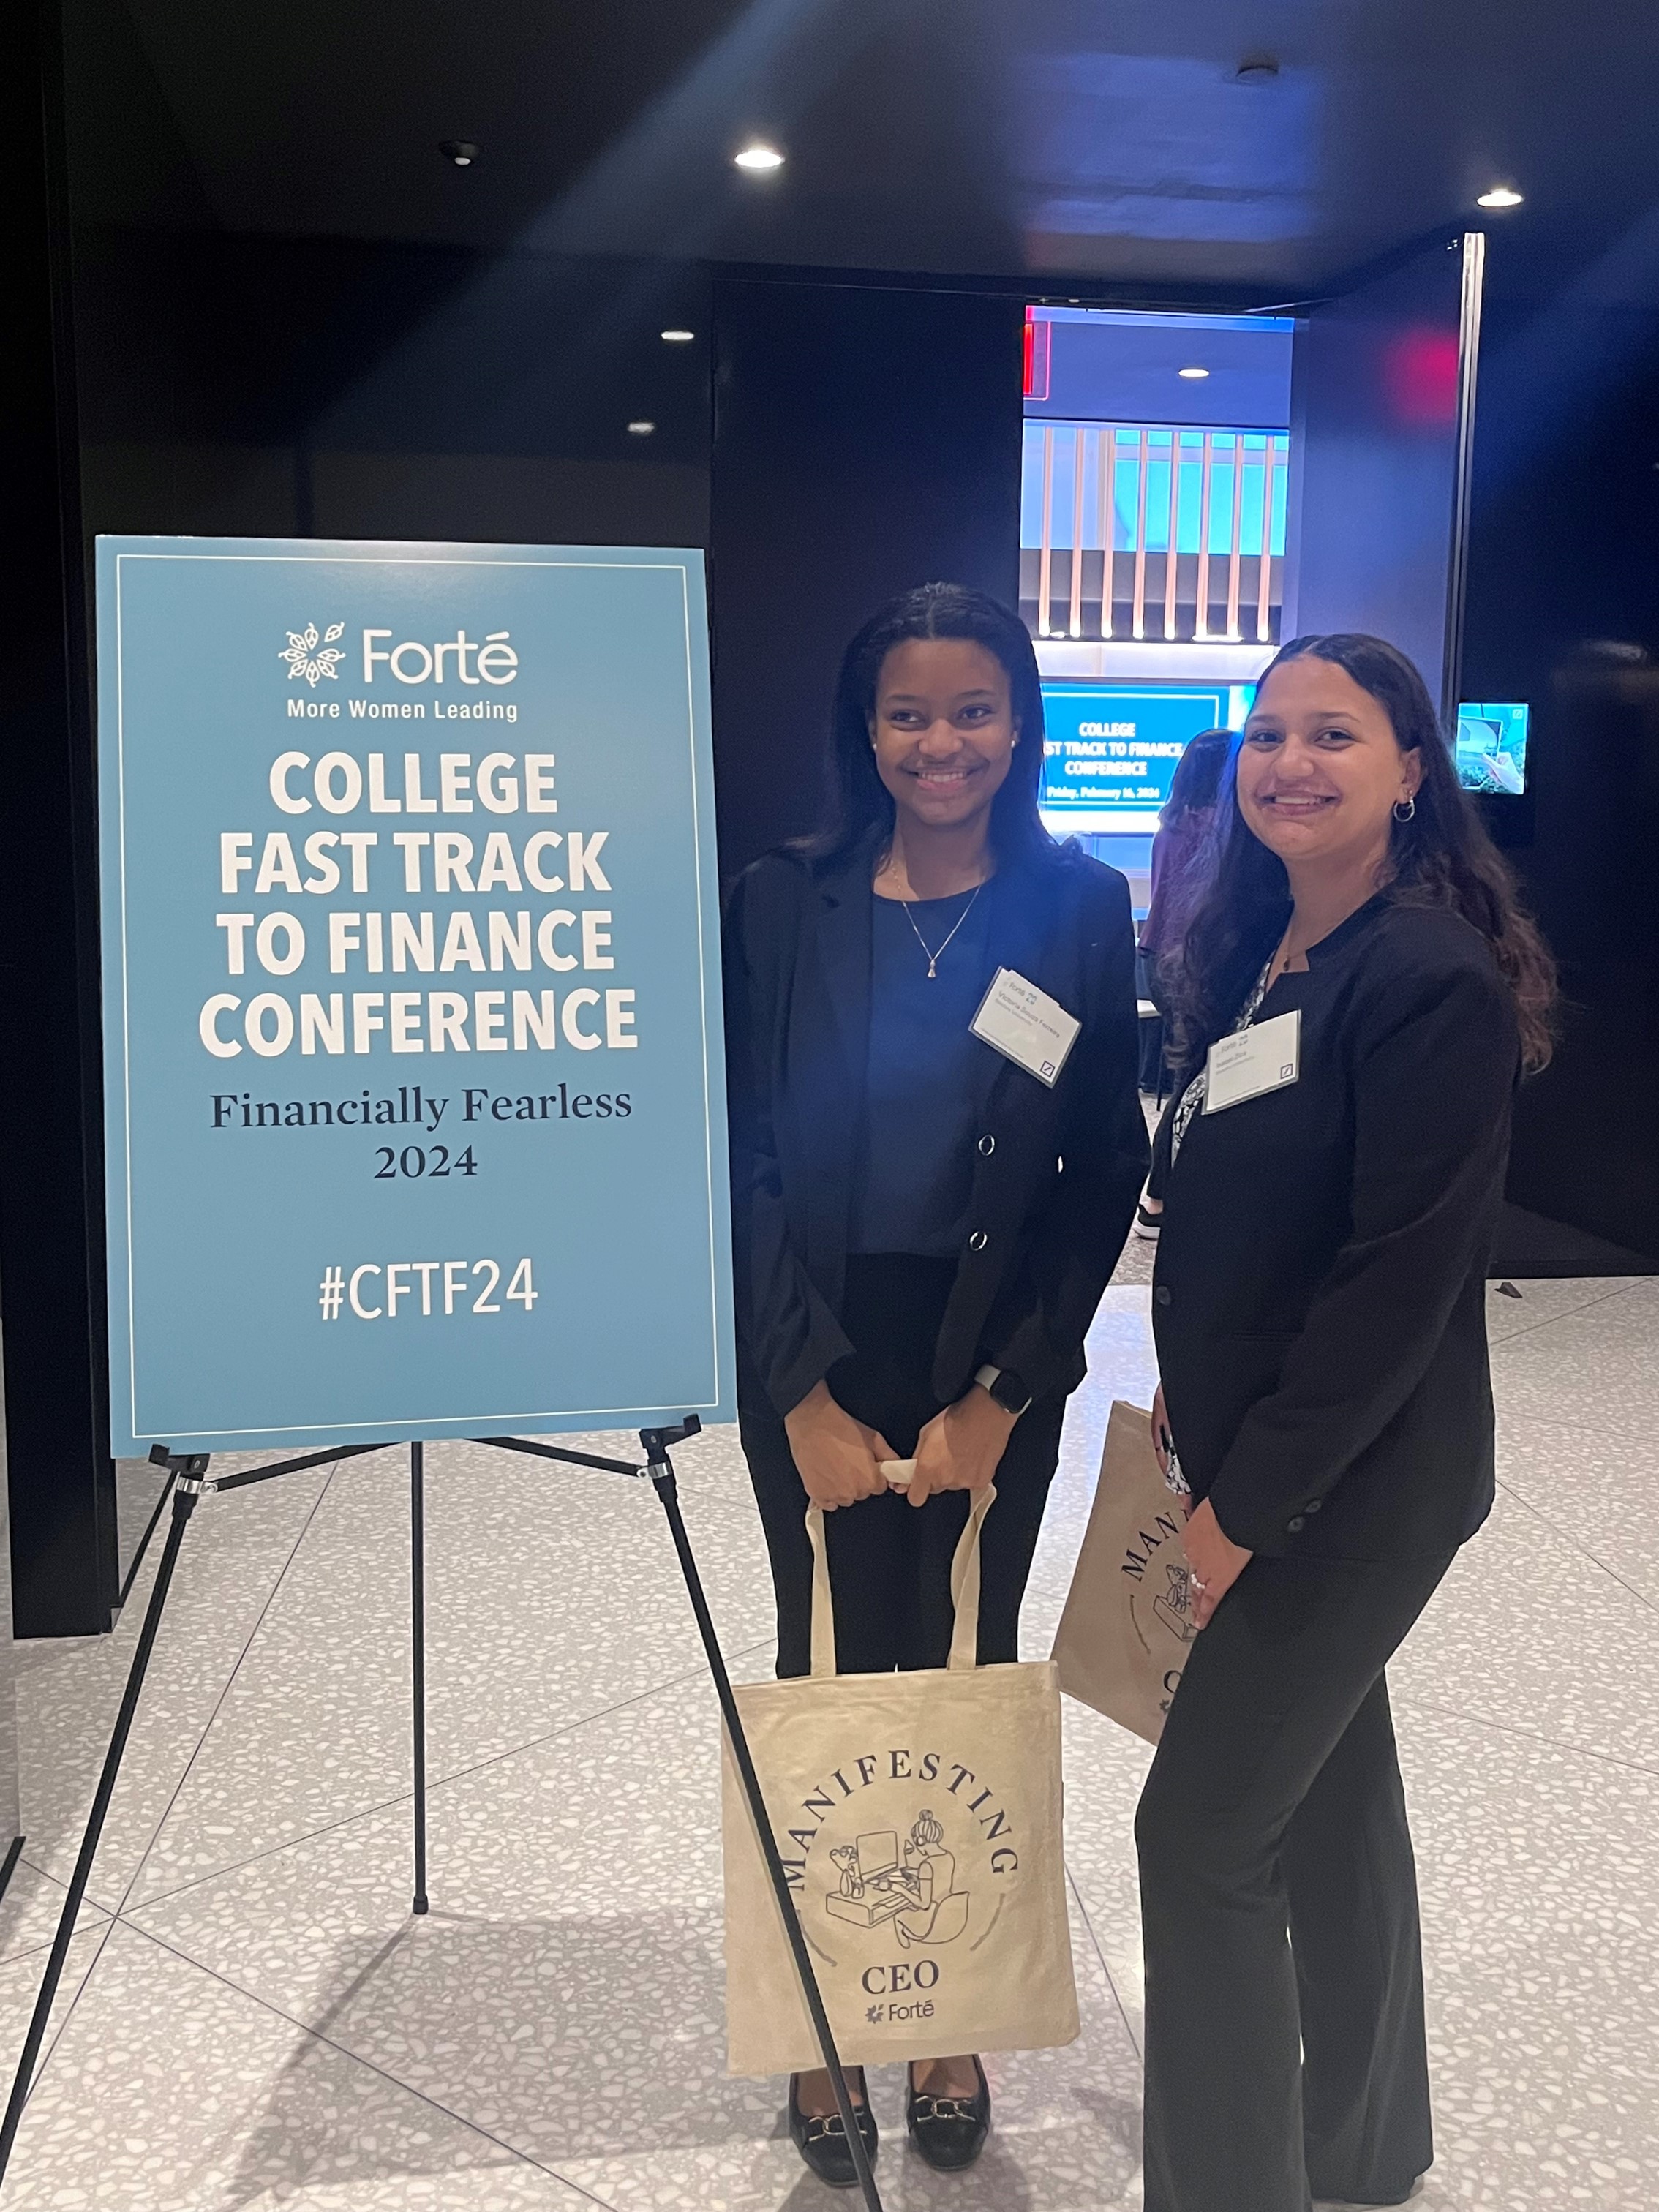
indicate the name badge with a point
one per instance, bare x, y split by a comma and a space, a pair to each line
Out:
1025, 1025
1264, 1057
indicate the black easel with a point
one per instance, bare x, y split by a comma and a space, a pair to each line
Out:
418, 1904
188, 1474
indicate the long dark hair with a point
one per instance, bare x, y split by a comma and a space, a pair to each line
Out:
861, 806
1197, 778
1441, 857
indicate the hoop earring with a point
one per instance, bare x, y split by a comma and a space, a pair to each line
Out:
1404, 809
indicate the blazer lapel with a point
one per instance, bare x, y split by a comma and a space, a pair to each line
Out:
843, 944
1021, 936
835, 1106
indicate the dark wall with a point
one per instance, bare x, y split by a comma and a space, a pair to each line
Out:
62, 1484
864, 441
334, 389
1564, 612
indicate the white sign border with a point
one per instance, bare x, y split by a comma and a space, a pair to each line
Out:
383, 1421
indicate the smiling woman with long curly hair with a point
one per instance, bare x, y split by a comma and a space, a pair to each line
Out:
1356, 997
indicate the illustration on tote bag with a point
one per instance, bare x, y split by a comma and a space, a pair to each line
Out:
919, 1895
1174, 1605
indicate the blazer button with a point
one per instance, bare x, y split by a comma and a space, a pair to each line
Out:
1313, 1505
1295, 1524
1162, 1294
988, 1145
976, 1241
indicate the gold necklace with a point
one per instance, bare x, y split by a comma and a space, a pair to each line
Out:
1281, 963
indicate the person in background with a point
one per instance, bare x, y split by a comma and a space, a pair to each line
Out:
923, 1227
1356, 997
1183, 825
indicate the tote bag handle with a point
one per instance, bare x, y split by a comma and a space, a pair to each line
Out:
964, 1590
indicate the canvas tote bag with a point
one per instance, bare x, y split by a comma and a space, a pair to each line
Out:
919, 1820
1124, 1635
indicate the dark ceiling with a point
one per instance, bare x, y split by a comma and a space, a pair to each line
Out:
987, 137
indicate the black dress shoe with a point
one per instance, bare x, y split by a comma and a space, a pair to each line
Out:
823, 2142
949, 2132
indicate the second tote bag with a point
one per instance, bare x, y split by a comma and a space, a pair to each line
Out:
919, 1820
1127, 1626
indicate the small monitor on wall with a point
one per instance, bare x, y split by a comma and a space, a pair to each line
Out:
1111, 748
1491, 747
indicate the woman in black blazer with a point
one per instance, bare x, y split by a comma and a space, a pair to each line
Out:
1356, 996
923, 1226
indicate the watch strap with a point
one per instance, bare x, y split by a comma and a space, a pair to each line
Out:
1006, 1387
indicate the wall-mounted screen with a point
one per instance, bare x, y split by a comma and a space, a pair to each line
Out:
1491, 747
1111, 748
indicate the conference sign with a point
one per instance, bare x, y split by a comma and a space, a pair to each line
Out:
415, 1114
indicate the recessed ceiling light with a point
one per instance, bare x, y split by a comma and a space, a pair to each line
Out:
640, 430
759, 156
1257, 69
1501, 196
461, 151
1193, 374
677, 338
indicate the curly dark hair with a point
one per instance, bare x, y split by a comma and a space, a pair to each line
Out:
860, 804
1441, 857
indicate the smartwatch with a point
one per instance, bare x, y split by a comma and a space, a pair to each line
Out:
1006, 1387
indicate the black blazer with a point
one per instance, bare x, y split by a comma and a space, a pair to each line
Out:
1319, 1301
1055, 1171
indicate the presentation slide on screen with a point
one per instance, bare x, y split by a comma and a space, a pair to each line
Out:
1111, 748
416, 1123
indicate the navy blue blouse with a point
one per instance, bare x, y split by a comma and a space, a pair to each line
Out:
917, 1155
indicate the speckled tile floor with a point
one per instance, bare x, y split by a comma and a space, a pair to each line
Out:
251, 2019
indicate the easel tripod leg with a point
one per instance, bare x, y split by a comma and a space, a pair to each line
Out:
183, 1504
662, 1475
417, 1650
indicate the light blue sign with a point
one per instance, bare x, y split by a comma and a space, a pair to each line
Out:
415, 1120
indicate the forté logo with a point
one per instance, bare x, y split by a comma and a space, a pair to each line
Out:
313, 657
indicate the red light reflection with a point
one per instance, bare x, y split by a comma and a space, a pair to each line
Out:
1037, 337
1419, 377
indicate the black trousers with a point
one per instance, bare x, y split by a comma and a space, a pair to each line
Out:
1278, 2071
890, 1562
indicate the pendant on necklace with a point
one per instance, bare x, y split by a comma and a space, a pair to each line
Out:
934, 953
